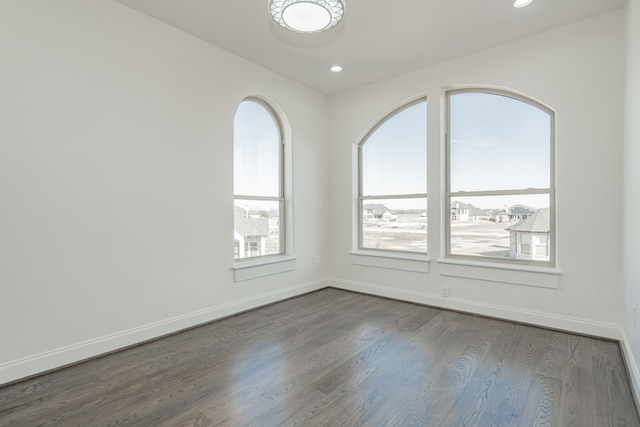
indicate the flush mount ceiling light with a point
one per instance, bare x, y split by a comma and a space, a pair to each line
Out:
307, 16
521, 3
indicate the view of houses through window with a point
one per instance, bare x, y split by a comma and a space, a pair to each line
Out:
499, 180
499, 177
395, 225
393, 182
514, 231
258, 182
510, 231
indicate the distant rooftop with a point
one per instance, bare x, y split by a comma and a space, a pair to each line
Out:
521, 210
250, 226
376, 207
475, 211
536, 223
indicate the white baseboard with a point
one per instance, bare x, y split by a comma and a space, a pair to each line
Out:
632, 366
49, 360
565, 323
54, 359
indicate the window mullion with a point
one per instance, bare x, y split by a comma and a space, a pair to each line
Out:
395, 196
264, 198
514, 192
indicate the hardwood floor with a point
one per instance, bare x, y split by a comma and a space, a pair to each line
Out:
337, 358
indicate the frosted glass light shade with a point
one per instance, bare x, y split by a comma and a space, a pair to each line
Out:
521, 3
307, 16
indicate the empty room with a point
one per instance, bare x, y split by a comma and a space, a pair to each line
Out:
319, 212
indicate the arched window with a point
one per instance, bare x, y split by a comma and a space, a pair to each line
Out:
393, 182
258, 181
500, 177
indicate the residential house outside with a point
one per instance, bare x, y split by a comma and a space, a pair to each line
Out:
520, 212
499, 215
250, 233
529, 238
377, 211
466, 212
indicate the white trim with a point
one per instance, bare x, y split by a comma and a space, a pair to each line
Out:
632, 366
263, 266
396, 261
501, 265
537, 318
56, 358
543, 277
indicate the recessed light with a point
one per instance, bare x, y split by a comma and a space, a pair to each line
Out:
335, 68
521, 3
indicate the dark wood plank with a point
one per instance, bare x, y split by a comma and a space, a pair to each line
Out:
339, 358
484, 391
451, 373
611, 388
500, 393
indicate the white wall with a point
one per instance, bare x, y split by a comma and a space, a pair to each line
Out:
116, 217
632, 191
577, 70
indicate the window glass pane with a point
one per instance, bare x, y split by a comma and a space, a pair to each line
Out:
542, 245
495, 226
395, 224
256, 152
394, 156
256, 228
497, 143
525, 243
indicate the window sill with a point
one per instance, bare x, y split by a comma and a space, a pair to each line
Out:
543, 277
253, 269
396, 261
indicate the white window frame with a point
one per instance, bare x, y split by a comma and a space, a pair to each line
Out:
402, 260
263, 265
449, 195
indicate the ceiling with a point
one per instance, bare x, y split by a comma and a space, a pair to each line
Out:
375, 40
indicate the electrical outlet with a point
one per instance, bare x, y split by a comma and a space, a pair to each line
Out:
314, 259
446, 292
